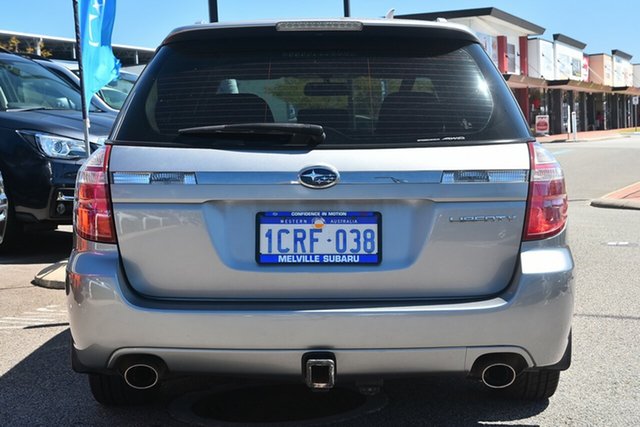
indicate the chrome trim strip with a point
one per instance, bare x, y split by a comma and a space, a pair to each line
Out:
188, 178
507, 176
282, 178
291, 178
346, 178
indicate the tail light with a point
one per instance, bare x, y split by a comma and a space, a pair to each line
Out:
93, 219
547, 204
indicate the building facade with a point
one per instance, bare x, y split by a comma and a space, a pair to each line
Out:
554, 81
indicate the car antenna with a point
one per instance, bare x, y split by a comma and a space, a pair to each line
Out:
390, 14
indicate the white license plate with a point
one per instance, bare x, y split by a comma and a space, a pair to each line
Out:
319, 237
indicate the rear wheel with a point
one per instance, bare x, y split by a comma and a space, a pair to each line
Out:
112, 390
533, 385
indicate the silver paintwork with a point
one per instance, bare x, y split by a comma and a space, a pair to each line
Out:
367, 339
485, 157
207, 231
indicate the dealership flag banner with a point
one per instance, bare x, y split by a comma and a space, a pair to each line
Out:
98, 63
93, 28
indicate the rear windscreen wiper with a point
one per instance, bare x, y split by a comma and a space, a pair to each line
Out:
287, 134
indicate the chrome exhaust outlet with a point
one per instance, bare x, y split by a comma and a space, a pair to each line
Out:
319, 371
498, 375
142, 372
498, 370
141, 376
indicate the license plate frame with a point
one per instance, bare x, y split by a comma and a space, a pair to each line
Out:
364, 219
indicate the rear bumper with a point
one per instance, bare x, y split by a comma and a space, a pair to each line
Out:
532, 317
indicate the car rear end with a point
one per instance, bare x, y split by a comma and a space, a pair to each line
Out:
361, 199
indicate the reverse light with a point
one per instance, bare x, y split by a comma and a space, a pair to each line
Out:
92, 215
547, 203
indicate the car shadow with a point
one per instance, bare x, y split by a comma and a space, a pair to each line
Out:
40, 248
42, 389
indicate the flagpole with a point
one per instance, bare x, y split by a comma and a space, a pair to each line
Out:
85, 107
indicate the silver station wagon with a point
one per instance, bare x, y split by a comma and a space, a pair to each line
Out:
323, 201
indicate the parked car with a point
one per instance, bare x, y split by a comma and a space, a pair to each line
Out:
404, 222
65, 73
109, 98
41, 146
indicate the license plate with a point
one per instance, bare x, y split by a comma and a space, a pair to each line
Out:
319, 237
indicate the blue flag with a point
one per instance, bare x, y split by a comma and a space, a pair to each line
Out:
98, 63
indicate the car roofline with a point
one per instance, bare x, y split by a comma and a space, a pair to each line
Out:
193, 32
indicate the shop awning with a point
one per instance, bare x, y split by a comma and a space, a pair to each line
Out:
627, 90
516, 81
578, 86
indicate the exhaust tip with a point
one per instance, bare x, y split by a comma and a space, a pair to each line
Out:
141, 376
498, 375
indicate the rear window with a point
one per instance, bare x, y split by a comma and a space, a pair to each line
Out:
362, 95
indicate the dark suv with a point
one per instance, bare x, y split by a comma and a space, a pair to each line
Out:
41, 145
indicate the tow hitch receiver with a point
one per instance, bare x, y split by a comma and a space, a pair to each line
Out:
319, 370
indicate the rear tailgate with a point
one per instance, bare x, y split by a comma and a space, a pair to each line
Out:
443, 233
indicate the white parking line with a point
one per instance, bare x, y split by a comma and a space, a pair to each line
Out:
47, 313
49, 310
35, 317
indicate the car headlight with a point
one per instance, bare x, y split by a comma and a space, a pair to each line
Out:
57, 147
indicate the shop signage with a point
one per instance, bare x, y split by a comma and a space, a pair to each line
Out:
542, 124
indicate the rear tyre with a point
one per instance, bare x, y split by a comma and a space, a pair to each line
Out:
533, 385
112, 390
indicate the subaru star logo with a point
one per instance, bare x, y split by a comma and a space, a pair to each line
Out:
318, 177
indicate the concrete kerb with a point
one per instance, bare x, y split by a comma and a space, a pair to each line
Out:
565, 139
52, 277
616, 203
